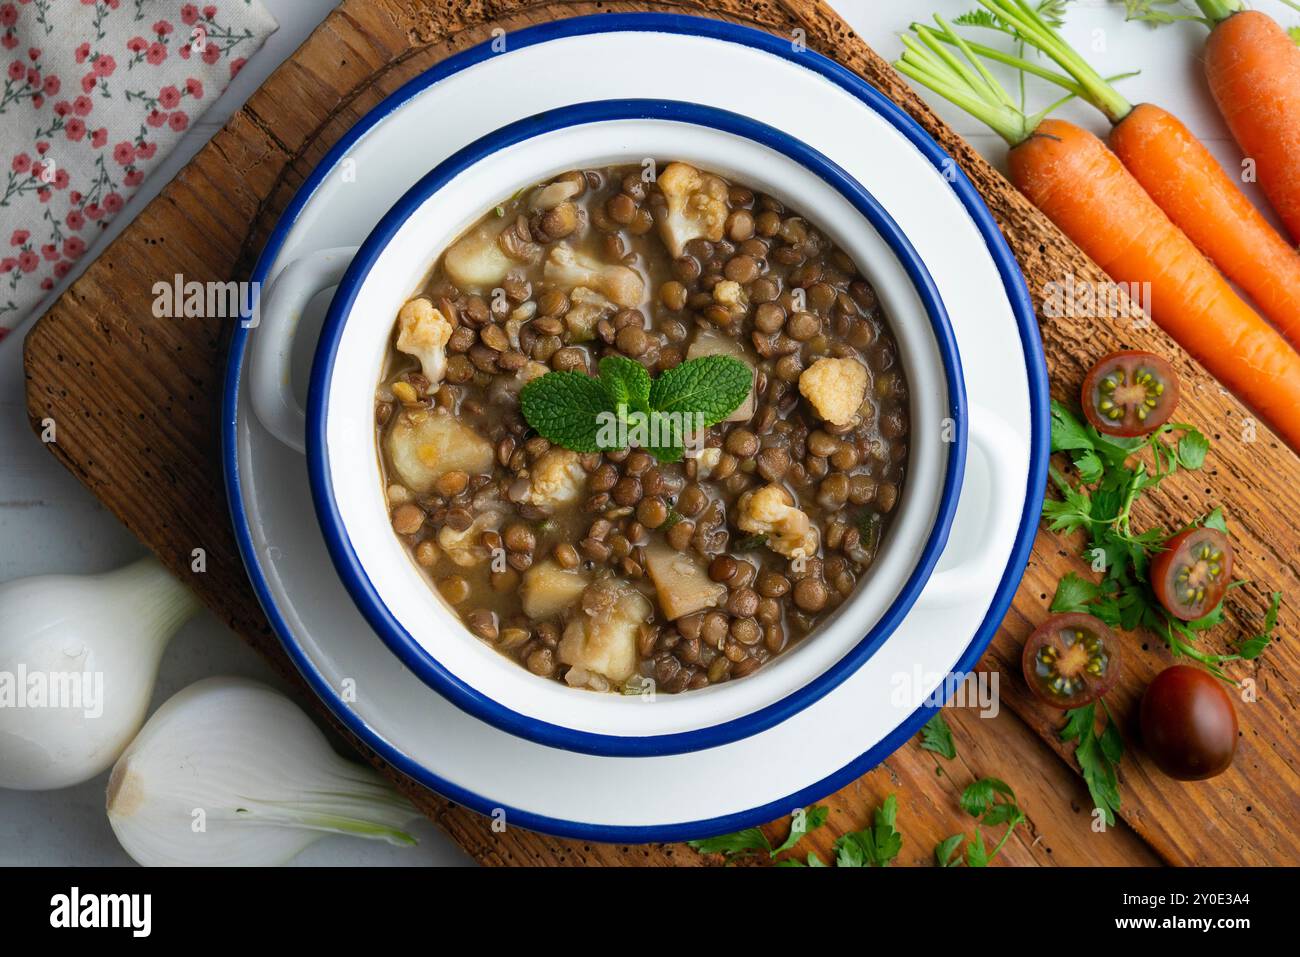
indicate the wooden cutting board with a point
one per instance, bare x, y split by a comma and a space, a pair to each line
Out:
135, 399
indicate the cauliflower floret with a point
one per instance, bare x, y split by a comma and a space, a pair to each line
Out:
697, 206
423, 331
587, 309
836, 388
466, 548
558, 479
706, 461
729, 293
423, 446
569, 269
476, 261
601, 638
770, 511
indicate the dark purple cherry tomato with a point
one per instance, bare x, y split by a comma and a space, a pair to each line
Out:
1130, 393
1189, 727
1070, 660
1192, 573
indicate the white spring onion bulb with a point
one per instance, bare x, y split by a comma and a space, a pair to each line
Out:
78, 660
231, 773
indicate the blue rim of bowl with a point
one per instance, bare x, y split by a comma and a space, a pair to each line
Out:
1018, 297
421, 660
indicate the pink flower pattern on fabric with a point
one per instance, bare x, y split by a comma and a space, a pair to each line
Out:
94, 94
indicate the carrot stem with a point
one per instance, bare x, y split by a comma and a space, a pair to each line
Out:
929, 63
1219, 10
1030, 26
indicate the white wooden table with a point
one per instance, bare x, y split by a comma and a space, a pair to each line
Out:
50, 523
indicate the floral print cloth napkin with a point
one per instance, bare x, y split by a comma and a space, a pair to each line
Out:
96, 92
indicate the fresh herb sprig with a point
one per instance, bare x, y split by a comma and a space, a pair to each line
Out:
601, 414
753, 842
991, 802
936, 736
1118, 473
1098, 754
874, 846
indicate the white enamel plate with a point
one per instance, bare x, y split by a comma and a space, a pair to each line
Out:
872, 712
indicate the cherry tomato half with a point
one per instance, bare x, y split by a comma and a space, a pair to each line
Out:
1189, 726
1192, 573
1070, 660
1130, 393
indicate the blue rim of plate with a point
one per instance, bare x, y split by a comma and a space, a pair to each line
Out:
421, 660
1018, 297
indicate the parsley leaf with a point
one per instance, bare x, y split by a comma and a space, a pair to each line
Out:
875, 846
936, 736
992, 802
1254, 646
749, 841
802, 822
1073, 594
752, 840
1098, 756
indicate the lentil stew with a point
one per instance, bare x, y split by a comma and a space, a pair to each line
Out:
616, 571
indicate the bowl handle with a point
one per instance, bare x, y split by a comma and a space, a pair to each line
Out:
271, 345
977, 574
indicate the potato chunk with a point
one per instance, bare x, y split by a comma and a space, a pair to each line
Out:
476, 262
710, 343
836, 388
770, 511
697, 206
423, 331
423, 446
587, 309
548, 589
602, 636
682, 583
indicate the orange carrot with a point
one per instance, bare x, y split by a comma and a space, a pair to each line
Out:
1178, 172
1254, 73
1082, 187
1185, 180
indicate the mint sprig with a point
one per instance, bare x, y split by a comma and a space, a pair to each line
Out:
573, 410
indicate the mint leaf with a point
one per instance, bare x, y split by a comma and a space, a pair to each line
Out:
571, 409
936, 736
626, 381
710, 386
564, 407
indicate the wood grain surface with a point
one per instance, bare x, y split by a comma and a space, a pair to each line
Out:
135, 402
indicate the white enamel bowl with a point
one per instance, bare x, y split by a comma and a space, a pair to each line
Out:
342, 447
853, 726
